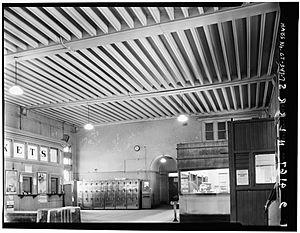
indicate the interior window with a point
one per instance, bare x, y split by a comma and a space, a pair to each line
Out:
209, 131
265, 170
221, 130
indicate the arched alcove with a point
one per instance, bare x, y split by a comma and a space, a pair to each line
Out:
162, 170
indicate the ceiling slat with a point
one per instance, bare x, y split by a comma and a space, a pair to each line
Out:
118, 69
202, 55
248, 29
35, 23
189, 103
110, 17
196, 102
185, 11
140, 67
126, 16
226, 98
218, 99
155, 104
180, 57
236, 49
155, 13
191, 55
265, 93
96, 19
128, 67
25, 27
140, 14
241, 97
50, 22
81, 20
261, 43
169, 59
275, 30
170, 12
167, 105
158, 61
203, 101
221, 33
211, 101
149, 64
15, 41
233, 94
212, 53
177, 101
249, 96
10, 46
9, 27
257, 95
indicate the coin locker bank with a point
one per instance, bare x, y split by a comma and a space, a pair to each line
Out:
113, 194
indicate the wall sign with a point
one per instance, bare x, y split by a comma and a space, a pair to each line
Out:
11, 182
32, 152
53, 155
44, 154
7, 148
42, 182
19, 150
242, 177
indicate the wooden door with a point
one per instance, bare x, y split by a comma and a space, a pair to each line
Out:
252, 165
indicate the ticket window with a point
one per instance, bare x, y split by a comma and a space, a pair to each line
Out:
265, 168
27, 185
54, 185
205, 181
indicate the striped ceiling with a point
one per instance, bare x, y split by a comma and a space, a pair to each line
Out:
128, 64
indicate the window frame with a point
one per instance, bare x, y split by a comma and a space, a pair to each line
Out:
215, 130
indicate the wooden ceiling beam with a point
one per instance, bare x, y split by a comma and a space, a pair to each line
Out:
142, 32
241, 97
157, 105
265, 93
185, 11
249, 95
10, 46
189, 103
257, 95
211, 101
163, 93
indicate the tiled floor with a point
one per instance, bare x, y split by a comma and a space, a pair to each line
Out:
143, 215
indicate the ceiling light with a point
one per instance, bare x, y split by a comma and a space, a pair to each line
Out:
163, 160
15, 89
182, 118
88, 126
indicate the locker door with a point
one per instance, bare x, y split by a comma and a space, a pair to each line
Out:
97, 202
87, 204
121, 195
102, 195
79, 193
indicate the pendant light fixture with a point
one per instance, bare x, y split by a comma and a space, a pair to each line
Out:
15, 89
88, 126
182, 117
